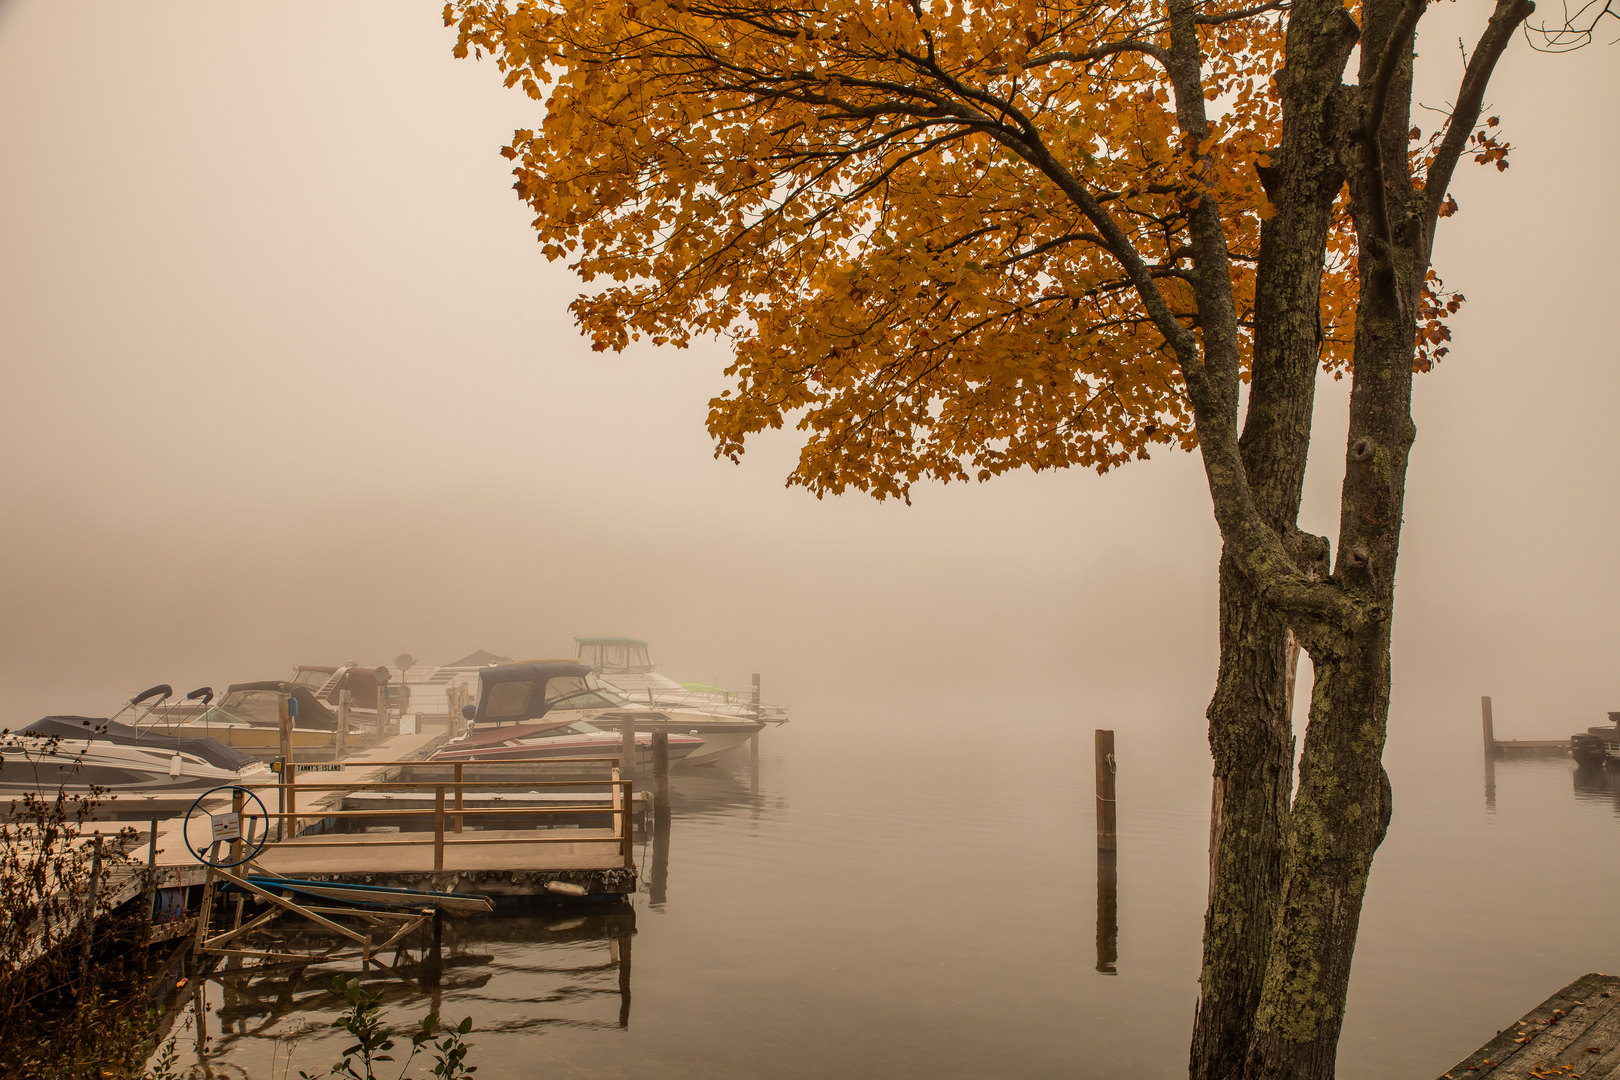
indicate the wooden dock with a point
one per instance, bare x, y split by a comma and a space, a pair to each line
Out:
559, 848
1574, 1033
1495, 746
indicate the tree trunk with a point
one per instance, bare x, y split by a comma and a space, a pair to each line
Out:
1250, 723
1251, 737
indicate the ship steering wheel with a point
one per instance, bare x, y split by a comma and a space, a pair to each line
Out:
253, 830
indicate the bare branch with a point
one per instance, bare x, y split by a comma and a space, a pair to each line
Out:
1470, 102
1576, 31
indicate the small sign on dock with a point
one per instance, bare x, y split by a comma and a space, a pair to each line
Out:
1574, 1033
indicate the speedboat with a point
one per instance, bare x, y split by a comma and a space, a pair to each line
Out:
559, 690
623, 665
78, 755
249, 717
1597, 745
559, 739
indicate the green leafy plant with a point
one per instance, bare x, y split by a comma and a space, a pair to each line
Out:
374, 1038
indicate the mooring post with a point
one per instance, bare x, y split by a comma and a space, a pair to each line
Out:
289, 773
1107, 820
1488, 724
438, 827
660, 756
753, 740
627, 746
343, 723
459, 767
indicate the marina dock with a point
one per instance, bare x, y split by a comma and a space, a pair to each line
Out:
1574, 1033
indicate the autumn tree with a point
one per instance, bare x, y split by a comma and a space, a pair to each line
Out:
946, 240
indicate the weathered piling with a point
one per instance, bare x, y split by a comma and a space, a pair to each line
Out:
627, 747
753, 740
1107, 820
660, 756
1488, 724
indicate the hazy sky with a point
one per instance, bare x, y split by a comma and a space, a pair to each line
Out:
287, 380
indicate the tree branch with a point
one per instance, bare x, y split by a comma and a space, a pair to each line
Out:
1507, 17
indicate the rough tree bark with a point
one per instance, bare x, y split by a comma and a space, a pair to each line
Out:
1250, 723
1288, 881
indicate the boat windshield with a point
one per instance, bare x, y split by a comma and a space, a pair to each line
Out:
580, 692
251, 706
580, 727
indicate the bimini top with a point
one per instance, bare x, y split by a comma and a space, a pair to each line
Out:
610, 641
524, 691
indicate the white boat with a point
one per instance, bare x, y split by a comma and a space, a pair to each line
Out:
624, 665
75, 755
566, 691
561, 739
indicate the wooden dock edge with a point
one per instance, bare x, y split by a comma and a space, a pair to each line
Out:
1541, 1021
497, 884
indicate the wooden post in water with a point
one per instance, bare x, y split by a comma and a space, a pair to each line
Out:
343, 723
660, 756
1107, 820
753, 740
627, 746
1488, 724
289, 774
438, 827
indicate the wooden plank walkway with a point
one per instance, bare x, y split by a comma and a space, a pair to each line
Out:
1574, 1034
402, 853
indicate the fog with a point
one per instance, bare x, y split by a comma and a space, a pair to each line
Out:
288, 381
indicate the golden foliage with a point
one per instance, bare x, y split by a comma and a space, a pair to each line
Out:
882, 206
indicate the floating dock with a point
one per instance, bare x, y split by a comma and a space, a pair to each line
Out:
1574, 1033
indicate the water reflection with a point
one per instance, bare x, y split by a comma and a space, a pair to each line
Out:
1595, 783
1108, 912
581, 959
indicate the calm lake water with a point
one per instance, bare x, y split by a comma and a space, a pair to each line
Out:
917, 896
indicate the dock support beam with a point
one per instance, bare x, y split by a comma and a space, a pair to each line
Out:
1107, 818
1488, 724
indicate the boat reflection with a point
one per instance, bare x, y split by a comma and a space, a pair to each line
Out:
1597, 783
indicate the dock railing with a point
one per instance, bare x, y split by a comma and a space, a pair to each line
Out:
449, 810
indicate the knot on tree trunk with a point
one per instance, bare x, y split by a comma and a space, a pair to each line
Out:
1311, 553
